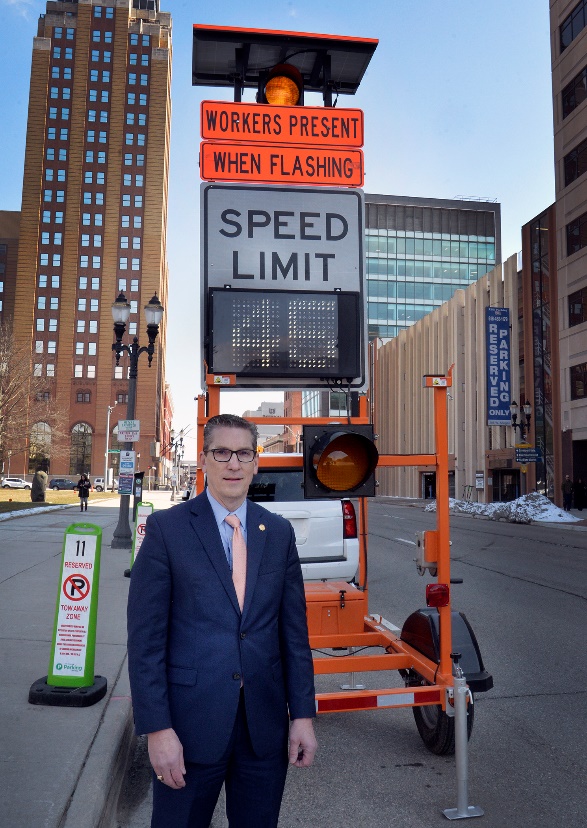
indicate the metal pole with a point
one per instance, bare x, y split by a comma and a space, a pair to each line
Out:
463, 809
122, 538
109, 410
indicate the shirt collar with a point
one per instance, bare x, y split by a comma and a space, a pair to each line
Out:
220, 511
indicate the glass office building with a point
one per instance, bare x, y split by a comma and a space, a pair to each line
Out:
419, 251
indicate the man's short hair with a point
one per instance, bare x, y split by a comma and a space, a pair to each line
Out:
229, 421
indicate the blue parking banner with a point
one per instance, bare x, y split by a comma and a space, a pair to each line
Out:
497, 340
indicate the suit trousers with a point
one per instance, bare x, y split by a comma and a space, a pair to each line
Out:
254, 787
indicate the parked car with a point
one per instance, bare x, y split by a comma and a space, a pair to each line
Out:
326, 530
99, 484
61, 484
15, 483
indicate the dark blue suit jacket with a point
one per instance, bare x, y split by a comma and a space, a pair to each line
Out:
189, 645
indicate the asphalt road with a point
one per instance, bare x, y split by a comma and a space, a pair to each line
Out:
524, 592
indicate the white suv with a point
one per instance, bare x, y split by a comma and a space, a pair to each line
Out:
15, 483
99, 484
326, 530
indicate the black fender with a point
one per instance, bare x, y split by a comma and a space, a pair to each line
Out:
421, 631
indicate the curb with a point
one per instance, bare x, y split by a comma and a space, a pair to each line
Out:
95, 798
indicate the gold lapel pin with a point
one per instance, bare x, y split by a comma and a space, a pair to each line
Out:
262, 527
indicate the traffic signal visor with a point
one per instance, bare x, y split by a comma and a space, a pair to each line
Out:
339, 462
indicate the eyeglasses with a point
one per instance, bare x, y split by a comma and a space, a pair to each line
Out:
225, 455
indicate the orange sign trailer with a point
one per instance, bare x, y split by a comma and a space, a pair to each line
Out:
338, 612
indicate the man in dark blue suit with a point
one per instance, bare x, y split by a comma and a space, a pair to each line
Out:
219, 661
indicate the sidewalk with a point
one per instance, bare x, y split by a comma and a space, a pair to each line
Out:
62, 767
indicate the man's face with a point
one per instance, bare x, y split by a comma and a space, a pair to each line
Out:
229, 482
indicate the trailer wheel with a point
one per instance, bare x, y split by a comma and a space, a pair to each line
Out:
437, 729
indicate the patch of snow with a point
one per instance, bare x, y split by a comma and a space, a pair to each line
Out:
36, 510
526, 509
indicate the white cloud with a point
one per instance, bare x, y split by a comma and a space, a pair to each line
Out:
25, 8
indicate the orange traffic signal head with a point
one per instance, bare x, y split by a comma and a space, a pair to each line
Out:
339, 461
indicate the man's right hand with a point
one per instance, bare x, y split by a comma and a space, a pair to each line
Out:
166, 755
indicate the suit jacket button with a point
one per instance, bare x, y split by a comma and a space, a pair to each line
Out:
243, 635
236, 676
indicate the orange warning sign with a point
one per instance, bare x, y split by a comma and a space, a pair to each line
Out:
261, 123
271, 164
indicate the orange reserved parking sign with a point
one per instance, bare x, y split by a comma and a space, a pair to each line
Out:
270, 164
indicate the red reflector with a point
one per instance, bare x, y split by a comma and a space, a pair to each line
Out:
347, 703
349, 520
437, 595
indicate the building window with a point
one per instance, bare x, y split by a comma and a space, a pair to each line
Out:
83, 397
93, 326
42, 280
130, 98
50, 369
577, 234
140, 162
122, 398
94, 75
106, 76
128, 159
95, 283
81, 326
144, 60
573, 25
118, 372
81, 304
40, 324
83, 282
50, 156
123, 263
54, 303
578, 381
132, 328
578, 307
574, 93
81, 448
132, 58
134, 39
52, 346
134, 285
575, 162
55, 280
142, 99
39, 345
122, 285
38, 369
134, 306
132, 78
137, 221
124, 242
96, 261
44, 259
52, 325
136, 264
79, 348
41, 302
59, 217
94, 305
78, 370
136, 242
91, 349
144, 80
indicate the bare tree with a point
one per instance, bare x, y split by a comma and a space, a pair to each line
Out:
29, 418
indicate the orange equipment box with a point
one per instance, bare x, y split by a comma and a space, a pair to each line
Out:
335, 608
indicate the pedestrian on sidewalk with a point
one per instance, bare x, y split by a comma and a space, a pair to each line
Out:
83, 490
567, 489
579, 494
218, 646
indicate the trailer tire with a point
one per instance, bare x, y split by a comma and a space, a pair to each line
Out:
438, 730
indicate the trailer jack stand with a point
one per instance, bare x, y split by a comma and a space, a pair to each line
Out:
353, 685
463, 809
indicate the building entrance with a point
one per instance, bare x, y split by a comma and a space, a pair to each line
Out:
506, 485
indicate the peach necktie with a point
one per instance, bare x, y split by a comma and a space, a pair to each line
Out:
239, 559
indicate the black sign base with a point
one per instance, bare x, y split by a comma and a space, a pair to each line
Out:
43, 693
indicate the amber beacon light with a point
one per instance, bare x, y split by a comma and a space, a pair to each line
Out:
339, 461
284, 86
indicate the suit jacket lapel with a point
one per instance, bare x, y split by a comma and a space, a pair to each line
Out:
256, 537
206, 528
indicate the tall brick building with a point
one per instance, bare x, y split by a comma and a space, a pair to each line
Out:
94, 218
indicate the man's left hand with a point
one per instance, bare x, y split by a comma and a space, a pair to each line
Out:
302, 743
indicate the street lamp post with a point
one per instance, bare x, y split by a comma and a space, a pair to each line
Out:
120, 313
523, 425
110, 409
177, 449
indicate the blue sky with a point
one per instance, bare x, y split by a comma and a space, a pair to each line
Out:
457, 102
